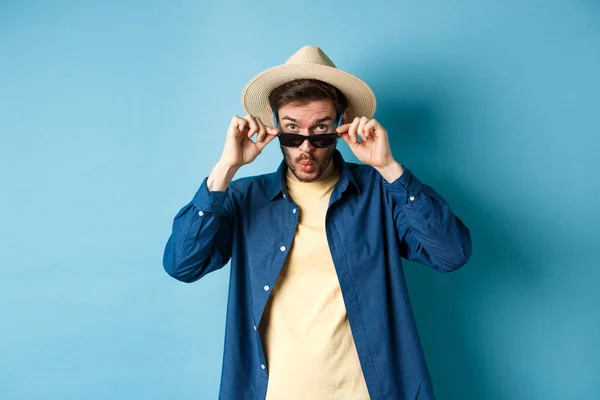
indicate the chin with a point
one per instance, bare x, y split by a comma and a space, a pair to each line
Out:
306, 176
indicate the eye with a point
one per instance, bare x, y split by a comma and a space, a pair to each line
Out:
291, 126
322, 127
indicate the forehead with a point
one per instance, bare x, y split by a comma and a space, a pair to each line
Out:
307, 112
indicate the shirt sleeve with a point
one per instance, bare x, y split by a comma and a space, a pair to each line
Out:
201, 236
428, 231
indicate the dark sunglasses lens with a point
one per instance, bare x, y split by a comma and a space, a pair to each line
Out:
293, 140
323, 142
290, 141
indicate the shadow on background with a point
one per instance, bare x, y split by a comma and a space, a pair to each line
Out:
448, 307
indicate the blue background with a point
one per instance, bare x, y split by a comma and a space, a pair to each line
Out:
112, 113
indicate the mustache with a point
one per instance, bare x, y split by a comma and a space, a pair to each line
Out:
304, 158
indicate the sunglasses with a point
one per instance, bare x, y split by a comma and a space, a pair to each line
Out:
321, 140
294, 140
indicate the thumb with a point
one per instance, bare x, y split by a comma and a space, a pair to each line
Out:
343, 128
266, 140
346, 137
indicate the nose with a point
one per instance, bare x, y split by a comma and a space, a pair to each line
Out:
306, 147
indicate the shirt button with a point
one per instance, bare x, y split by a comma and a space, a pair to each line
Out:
200, 213
254, 327
294, 211
412, 198
282, 248
262, 366
266, 288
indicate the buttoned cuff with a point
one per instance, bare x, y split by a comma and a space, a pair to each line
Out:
406, 188
209, 201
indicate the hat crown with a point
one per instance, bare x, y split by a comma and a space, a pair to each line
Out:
310, 62
310, 55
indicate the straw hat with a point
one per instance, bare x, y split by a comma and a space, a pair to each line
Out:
308, 62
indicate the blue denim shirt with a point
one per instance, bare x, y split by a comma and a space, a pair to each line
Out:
370, 224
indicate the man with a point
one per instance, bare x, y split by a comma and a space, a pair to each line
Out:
318, 305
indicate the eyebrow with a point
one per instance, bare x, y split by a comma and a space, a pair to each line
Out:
320, 120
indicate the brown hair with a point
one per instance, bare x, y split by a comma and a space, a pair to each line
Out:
303, 91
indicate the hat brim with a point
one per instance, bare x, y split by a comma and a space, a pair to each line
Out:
255, 96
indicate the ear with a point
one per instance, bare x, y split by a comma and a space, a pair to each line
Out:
345, 116
271, 114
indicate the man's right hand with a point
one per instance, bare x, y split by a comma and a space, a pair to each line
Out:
240, 149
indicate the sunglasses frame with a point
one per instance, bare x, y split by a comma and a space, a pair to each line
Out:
330, 138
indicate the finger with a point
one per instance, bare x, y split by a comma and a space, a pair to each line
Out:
361, 125
343, 128
346, 138
262, 130
379, 130
268, 139
370, 128
253, 126
352, 130
352, 144
242, 126
272, 131
234, 124
234, 121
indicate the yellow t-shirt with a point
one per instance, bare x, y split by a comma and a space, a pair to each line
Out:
306, 336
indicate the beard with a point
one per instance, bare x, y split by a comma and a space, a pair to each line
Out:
320, 165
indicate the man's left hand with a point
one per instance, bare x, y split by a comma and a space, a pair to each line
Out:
374, 148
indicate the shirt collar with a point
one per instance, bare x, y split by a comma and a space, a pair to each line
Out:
277, 181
